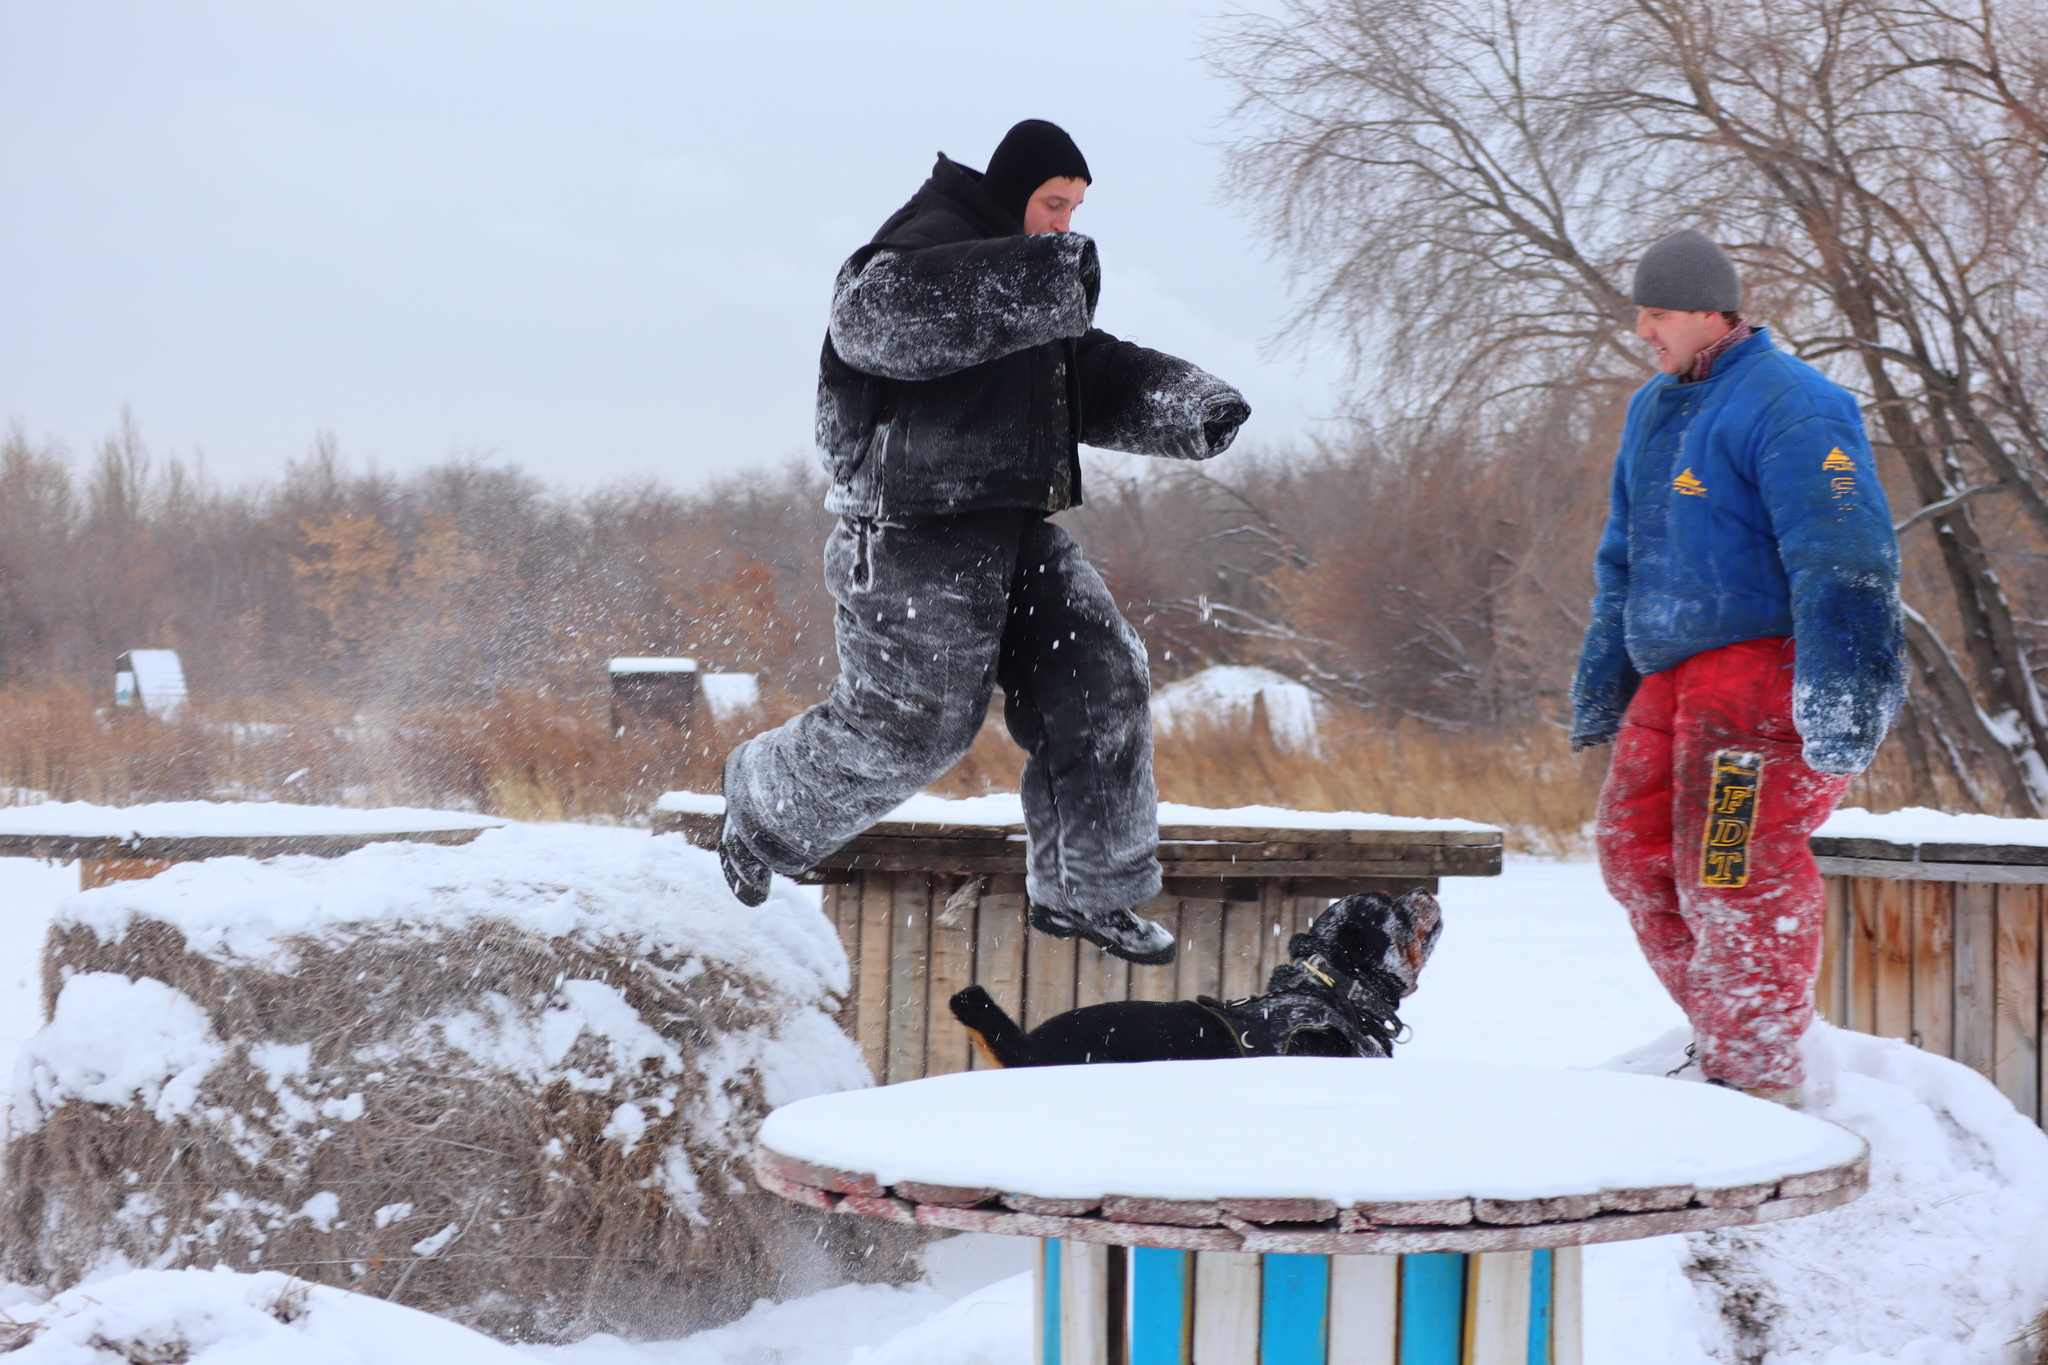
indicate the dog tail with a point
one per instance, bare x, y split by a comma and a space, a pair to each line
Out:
996, 1035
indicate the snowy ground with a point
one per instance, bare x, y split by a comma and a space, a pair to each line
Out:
1535, 967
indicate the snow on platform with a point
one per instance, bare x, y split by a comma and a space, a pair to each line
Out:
225, 819
1005, 809
1349, 1130
1919, 825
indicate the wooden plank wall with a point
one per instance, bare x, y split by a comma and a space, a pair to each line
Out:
914, 938
1953, 967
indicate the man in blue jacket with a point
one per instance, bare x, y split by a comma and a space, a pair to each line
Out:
1743, 655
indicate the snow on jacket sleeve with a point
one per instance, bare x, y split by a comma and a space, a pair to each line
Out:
1146, 402
936, 310
1828, 512
1606, 679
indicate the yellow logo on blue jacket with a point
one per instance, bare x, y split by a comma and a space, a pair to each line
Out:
1687, 484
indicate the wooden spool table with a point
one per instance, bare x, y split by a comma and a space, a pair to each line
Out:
931, 899
1308, 1211
1935, 926
125, 843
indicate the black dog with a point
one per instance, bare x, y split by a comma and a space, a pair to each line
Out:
1335, 999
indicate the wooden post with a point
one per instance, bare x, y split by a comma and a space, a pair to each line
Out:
1568, 1308
1365, 1308
1294, 1310
1089, 1281
1497, 1308
1162, 1306
1976, 932
1228, 1288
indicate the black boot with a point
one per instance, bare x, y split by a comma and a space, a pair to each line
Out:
1120, 933
746, 874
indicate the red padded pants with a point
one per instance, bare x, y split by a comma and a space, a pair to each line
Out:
1702, 835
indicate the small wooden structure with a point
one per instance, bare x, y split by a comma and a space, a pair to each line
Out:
932, 899
113, 844
653, 691
1935, 928
1399, 1273
153, 679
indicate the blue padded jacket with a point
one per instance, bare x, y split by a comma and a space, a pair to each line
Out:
1746, 507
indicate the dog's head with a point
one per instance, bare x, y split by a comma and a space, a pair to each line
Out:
1371, 936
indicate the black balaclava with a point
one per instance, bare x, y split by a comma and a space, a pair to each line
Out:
1030, 154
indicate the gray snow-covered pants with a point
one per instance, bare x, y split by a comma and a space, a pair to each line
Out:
933, 614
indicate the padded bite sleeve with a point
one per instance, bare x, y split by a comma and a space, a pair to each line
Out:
1146, 402
936, 310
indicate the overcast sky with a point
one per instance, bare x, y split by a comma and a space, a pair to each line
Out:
594, 238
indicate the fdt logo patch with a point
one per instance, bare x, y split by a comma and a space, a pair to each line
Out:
1687, 484
1731, 817
1843, 468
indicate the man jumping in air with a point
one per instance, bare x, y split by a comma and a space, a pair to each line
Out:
960, 375
1744, 654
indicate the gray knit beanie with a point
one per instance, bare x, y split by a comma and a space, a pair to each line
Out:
1686, 272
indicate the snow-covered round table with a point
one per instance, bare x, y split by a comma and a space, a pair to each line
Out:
125, 843
1308, 1211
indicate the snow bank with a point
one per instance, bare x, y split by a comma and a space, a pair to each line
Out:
991, 1326
517, 1079
1944, 1259
1919, 825
219, 1317
1000, 809
1306, 1127
229, 819
1235, 695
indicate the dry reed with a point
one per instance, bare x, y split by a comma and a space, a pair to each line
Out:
537, 756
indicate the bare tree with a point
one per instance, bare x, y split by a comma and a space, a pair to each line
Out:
1881, 168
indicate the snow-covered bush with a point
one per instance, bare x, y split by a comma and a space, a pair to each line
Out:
512, 1082
1239, 696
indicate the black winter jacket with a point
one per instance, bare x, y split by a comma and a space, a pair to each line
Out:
960, 371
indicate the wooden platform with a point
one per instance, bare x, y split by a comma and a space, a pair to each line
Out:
152, 838
926, 907
1940, 944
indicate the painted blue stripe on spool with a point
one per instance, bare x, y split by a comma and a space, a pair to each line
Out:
1433, 1309
1050, 1308
1541, 1291
1161, 1285
1294, 1310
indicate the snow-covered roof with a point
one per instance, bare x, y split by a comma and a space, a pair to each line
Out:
1918, 825
1233, 692
728, 693
229, 819
653, 665
1005, 809
1307, 1127
159, 678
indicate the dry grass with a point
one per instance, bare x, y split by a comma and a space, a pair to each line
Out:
536, 756
561, 1232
